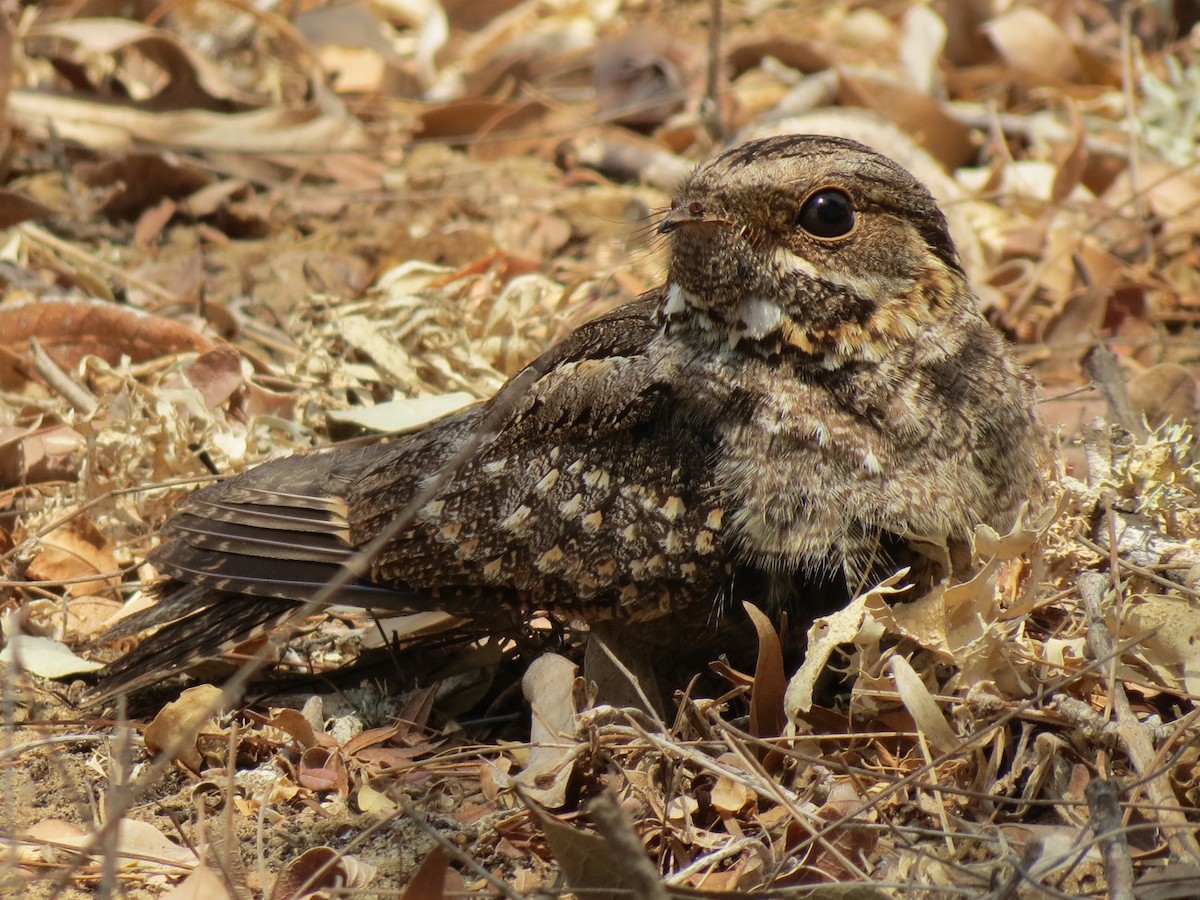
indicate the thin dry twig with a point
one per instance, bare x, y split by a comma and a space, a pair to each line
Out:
1178, 832
1103, 804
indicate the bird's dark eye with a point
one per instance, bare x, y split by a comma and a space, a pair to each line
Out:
827, 214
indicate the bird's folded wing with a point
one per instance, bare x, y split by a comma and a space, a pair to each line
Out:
584, 496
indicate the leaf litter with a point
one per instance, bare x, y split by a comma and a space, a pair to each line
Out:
262, 228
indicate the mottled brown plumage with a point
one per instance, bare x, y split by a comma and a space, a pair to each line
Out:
809, 397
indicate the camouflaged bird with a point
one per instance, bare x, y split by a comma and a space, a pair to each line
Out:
810, 397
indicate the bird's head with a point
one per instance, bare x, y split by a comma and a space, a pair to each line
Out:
815, 245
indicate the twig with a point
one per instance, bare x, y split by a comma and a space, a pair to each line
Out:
454, 851
1129, 566
40, 236
1179, 833
7, 753
1102, 367
1103, 804
710, 106
77, 395
1131, 128
614, 826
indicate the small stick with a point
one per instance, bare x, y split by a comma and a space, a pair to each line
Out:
1105, 808
710, 106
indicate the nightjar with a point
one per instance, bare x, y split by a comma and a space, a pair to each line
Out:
809, 398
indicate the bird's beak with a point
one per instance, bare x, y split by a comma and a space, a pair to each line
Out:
671, 220
682, 216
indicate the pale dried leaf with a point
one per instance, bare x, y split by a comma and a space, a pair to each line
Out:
73, 551
403, 414
202, 884
1032, 42
549, 687
44, 657
1167, 630
927, 715
921, 50
190, 715
824, 637
324, 127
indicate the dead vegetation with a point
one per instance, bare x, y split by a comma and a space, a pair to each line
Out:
235, 230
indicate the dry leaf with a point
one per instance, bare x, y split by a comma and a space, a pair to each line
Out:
430, 881
375, 800
190, 716
202, 884
70, 329
766, 696
730, 796
640, 78
549, 686
145, 845
322, 769
192, 81
44, 657
403, 414
927, 715
317, 869
88, 615
216, 374
75, 550
1167, 630
1166, 392
1030, 41
824, 637
141, 179
16, 208
591, 865
921, 50
320, 126
937, 131
32, 456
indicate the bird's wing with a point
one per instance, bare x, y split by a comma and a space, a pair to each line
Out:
585, 481
584, 495
584, 488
